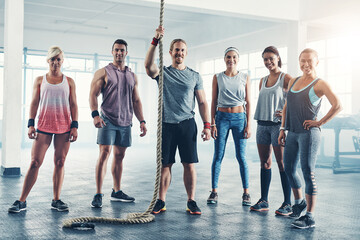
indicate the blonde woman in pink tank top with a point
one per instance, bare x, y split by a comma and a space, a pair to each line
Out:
54, 100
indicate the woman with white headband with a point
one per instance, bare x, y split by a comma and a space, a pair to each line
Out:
230, 110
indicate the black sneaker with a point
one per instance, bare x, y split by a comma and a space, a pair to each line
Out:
213, 198
304, 222
297, 209
120, 196
260, 206
17, 207
159, 207
284, 210
59, 205
246, 200
97, 200
192, 207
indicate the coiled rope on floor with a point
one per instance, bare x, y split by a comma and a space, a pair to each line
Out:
145, 217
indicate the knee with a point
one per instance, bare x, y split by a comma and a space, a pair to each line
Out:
119, 156
59, 162
281, 166
35, 163
266, 164
104, 154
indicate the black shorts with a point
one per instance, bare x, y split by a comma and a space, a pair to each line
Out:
179, 135
47, 133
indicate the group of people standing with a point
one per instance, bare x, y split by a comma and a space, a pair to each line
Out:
284, 104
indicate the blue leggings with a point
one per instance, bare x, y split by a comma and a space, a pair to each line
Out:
224, 122
306, 145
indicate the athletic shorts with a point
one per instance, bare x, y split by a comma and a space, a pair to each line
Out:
267, 134
47, 133
182, 136
114, 135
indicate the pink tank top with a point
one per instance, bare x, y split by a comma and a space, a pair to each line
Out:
54, 107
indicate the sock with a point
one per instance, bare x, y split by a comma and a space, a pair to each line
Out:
286, 187
310, 214
298, 201
265, 178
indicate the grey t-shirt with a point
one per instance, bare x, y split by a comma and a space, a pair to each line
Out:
179, 93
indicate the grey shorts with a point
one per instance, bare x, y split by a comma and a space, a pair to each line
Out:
114, 135
268, 135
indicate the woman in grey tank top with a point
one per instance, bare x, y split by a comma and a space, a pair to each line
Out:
303, 137
272, 93
230, 95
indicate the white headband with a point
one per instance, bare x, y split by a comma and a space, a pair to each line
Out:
231, 49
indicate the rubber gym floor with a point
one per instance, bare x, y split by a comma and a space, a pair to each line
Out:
337, 211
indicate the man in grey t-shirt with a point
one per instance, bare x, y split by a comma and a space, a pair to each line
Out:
181, 86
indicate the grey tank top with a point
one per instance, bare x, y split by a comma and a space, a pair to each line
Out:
299, 108
271, 99
231, 90
117, 104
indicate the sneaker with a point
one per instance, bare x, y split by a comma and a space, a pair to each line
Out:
284, 210
213, 198
298, 209
120, 196
59, 205
246, 200
304, 222
192, 207
97, 200
260, 206
17, 207
159, 207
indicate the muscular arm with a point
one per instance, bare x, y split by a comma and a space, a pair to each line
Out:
247, 131
138, 107
151, 69
97, 84
282, 135
322, 88
204, 111
214, 100
73, 109
34, 105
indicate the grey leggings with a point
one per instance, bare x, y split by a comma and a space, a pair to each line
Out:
306, 145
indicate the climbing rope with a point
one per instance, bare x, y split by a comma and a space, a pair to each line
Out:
145, 217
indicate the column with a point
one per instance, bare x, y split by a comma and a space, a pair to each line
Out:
297, 37
13, 52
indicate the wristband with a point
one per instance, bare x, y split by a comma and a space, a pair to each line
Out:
213, 125
155, 41
31, 122
207, 125
282, 128
142, 121
74, 124
95, 113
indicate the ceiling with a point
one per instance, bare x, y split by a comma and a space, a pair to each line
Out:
136, 19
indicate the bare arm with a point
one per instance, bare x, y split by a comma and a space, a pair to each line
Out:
34, 105
260, 83
286, 81
151, 69
97, 84
138, 107
282, 135
214, 100
322, 88
73, 109
204, 111
247, 131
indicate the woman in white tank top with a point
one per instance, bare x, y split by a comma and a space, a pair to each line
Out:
272, 92
230, 110
55, 98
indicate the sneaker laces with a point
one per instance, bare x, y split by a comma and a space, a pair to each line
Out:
213, 194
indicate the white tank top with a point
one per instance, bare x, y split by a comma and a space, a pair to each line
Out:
54, 107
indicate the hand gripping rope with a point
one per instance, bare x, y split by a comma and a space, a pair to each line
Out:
145, 217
